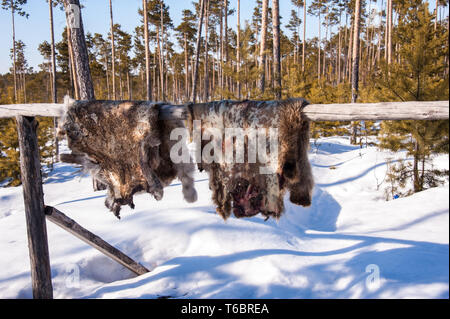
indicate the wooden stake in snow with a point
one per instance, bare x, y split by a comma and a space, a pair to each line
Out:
33, 197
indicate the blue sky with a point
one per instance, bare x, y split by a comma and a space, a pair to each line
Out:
35, 29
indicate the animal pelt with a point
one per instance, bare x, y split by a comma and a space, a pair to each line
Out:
125, 146
240, 187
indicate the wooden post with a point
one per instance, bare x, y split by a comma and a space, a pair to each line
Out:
93, 240
33, 196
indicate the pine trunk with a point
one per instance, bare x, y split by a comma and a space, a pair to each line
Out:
24, 86
226, 40
120, 84
417, 187
389, 40
304, 36
52, 46
186, 62
220, 64
378, 53
129, 86
197, 53
325, 47
436, 15
355, 64
113, 52
206, 77
147, 54
107, 77
81, 61
161, 52
238, 53
54, 88
339, 52
14, 51
262, 52
344, 68
71, 80
72, 64
276, 48
356, 52
350, 51
318, 48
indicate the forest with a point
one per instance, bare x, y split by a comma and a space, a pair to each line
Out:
364, 51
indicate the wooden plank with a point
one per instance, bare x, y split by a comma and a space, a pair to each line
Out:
438, 110
33, 197
35, 109
68, 224
435, 110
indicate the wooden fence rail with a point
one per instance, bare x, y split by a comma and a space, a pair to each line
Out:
434, 110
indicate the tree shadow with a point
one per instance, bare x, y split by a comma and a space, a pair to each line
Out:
420, 263
81, 200
62, 173
353, 178
329, 147
335, 165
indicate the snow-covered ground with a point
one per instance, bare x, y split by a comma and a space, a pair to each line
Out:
351, 243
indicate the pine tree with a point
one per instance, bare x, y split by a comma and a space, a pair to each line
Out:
21, 69
355, 63
186, 38
417, 77
293, 26
15, 6
64, 63
276, 48
113, 52
9, 153
262, 52
101, 65
317, 8
197, 50
44, 49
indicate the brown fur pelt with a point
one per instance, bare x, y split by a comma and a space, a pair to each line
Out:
240, 187
125, 146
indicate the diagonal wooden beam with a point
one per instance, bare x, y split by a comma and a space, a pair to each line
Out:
68, 224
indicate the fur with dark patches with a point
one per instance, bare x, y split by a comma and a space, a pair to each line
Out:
240, 188
124, 145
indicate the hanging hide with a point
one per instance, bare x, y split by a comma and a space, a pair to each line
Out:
125, 146
241, 188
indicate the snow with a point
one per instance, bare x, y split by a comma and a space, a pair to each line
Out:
351, 243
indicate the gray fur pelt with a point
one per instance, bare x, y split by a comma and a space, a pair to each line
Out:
125, 146
240, 187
